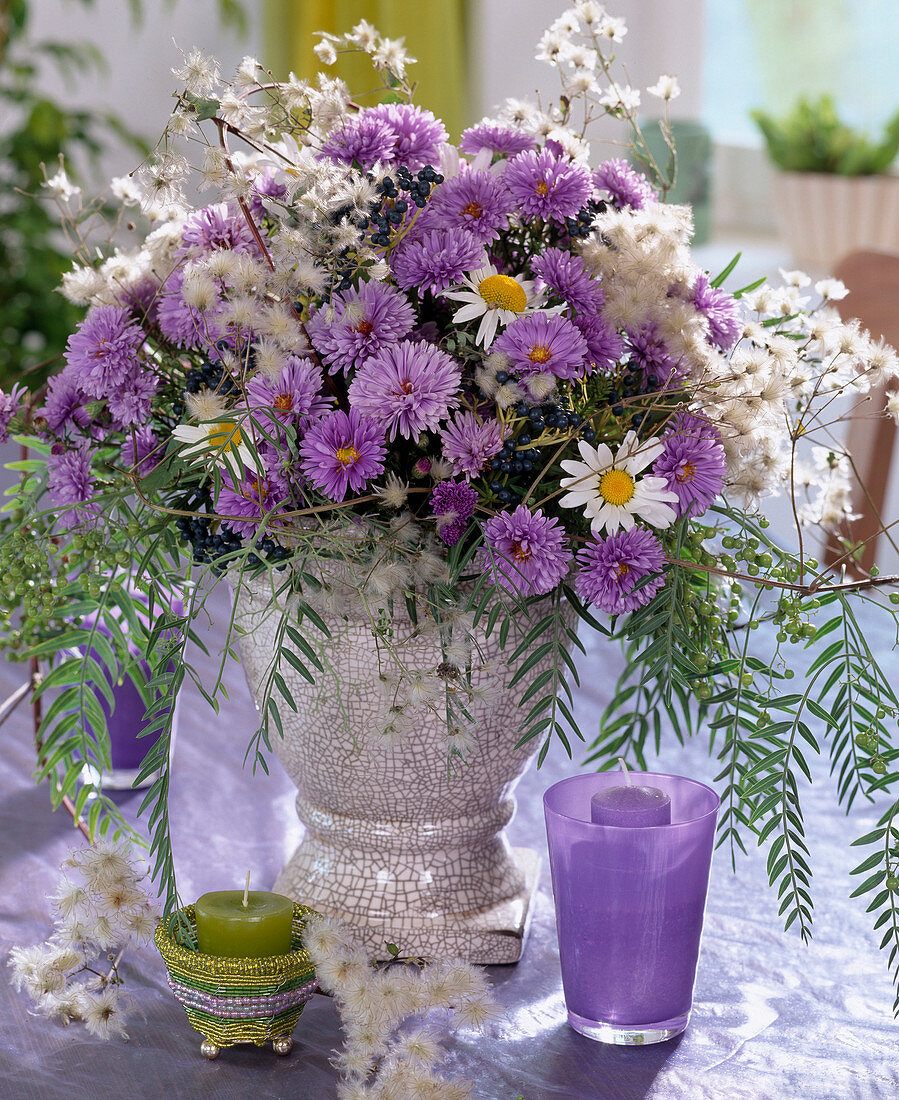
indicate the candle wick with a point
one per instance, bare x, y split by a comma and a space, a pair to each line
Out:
246, 892
627, 774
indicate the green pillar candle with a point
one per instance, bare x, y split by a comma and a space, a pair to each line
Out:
226, 926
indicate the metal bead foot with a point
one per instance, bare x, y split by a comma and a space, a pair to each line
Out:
282, 1045
209, 1050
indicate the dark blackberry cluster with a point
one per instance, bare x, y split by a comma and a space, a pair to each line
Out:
270, 550
632, 384
581, 225
207, 546
418, 189
552, 417
211, 376
344, 268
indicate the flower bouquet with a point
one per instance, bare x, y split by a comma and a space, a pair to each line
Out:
460, 396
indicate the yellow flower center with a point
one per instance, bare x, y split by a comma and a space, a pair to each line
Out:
520, 552
542, 188
283, 402
621, 571
686, 473
473, 209
225, 435
501, 292
616, 487
539, 353
346, 456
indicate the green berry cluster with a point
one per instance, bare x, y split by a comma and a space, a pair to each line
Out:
867, 741
27, 585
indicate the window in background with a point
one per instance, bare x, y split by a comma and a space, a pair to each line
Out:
766, 53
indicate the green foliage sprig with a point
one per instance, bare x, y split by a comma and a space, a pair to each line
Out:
812, 138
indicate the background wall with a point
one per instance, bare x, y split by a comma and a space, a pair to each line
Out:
137, 84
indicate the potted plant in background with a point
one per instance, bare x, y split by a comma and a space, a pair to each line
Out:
832, 191
441, 400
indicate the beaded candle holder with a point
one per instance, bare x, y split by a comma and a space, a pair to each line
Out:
233, 1001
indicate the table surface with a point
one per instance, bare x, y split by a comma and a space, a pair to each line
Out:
772, 1018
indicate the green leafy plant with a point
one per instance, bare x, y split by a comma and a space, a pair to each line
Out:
812, 138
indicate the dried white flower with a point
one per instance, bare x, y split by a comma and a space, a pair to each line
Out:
61, 187
200, 73
666, 87
103, 1013
324, 50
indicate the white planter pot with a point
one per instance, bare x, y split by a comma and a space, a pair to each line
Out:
825, 217
396, 844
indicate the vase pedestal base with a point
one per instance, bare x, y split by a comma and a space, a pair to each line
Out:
485, 936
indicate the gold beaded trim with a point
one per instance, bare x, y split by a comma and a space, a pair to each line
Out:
199, 965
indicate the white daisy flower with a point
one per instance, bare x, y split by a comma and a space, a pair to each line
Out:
220, 439
496, 299
606, 486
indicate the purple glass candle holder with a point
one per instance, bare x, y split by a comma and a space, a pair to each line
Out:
124, 724
629, 907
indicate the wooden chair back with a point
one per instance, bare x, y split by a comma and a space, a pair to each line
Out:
872, 278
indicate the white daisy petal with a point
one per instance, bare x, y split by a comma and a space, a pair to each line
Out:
468, 313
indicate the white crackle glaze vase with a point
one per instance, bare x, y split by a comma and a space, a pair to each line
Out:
395, 844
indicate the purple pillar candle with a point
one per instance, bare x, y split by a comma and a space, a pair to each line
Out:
629, 906
630, 807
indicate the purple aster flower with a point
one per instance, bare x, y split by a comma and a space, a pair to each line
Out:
428, 332
265, 186
605, 345
142, 298
253, 498
546, 186
502, 140
469, 443
130, 402
565, 275
476, 201
525, 552
141, 449
64, 404
611, 569
69, 482
417, 134
364, 138
342, 451
694, 468
10, 404
216, 228
649, 353
181, 323
722, 311
693, 426
103, 350
625, 184
294, 396
436, 260
543, 343
364, 321
452, 502
406, 388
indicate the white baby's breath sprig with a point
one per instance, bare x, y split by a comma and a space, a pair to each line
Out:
101, 907
393, 1047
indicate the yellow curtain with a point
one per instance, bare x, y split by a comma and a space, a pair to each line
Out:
435, 34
